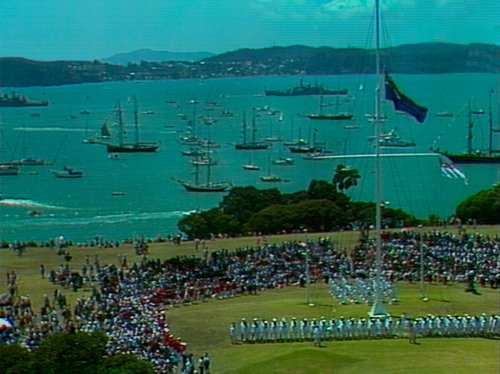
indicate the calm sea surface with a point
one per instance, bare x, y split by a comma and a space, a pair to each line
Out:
151, 201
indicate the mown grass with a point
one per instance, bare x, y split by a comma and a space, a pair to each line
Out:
204, 326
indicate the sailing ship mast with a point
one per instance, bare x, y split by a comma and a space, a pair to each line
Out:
492, 151
136, 120
469, 129
120, 124
378, 308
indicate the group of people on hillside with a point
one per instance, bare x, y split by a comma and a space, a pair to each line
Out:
127, 300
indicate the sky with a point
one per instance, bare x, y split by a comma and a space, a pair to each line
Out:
94, 29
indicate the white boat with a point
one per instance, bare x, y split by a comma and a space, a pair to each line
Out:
204, 161
391, 139
283, 161
9, 169
193, 152
270, 178
250, 166
316, 156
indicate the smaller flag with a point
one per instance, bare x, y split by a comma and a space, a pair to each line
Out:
449, 170
403, 103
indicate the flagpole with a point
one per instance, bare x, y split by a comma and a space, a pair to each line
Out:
378, 308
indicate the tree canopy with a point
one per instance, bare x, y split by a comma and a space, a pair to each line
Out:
323, 206
75, 352
483, 207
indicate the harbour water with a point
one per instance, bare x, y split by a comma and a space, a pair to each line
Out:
138, 194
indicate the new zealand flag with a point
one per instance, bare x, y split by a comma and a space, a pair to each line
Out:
403, 103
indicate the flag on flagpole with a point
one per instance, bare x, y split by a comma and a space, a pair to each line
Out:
401, 102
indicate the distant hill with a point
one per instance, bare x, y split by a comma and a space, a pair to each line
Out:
135, 57
425, 58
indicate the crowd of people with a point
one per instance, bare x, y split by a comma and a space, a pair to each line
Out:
128, 300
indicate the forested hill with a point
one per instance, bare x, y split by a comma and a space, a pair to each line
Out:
426, 58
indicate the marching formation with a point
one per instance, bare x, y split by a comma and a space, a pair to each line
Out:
317, 330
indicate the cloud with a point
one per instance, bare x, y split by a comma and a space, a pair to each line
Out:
348, 6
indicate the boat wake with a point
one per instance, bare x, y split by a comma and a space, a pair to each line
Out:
75, 219
27, 203
48, 129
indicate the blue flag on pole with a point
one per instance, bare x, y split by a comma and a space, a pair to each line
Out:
403, 103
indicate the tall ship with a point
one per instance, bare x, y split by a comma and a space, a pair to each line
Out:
337, 116
252, 144
130, 147
15, 100
204, 186
472, 156
307, 90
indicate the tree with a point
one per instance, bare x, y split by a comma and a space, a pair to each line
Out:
15, 359
345, 177
125, 364
484, 207
318, 215
62, 352
271, 220
207, 223
242, 202
324, 190
315, 215
194, 225
78, 352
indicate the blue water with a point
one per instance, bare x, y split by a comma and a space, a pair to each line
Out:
153, 201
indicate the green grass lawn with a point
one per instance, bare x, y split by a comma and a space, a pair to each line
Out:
204, 326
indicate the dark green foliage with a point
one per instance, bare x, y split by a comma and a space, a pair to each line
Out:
78, 352
125, 364
397, 218
271, 220
313, 215
295, 197
203, 224
242, 202
319, 215
14, 359
345, 177
484, 207
324, 190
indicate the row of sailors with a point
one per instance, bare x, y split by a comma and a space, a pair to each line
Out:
261, 331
